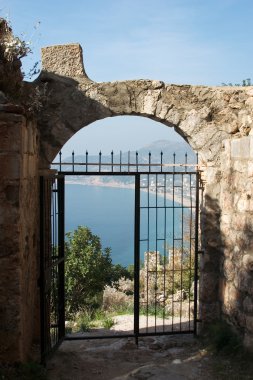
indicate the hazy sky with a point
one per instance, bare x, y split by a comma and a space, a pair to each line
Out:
181, 41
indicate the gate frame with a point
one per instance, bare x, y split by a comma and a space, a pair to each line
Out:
60, 177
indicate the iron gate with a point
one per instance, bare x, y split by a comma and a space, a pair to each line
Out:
165, 237
52, 310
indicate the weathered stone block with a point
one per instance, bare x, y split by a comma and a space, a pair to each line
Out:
25, 166
10, 166
250, 168
10, 137
248, 341
248, 305
249, 323
231, 296
209, 312
209, 286
244, 281
240, 165
247, 262
9, 216
240, 148
229, 269
32, 166
65, 60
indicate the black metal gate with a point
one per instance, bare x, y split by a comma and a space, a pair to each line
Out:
165, 238
52, 316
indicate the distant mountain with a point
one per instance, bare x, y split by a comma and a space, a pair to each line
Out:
180, 148
167, 147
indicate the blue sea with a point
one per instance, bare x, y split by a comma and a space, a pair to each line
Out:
109, 213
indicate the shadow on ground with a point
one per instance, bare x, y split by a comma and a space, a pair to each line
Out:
159, 358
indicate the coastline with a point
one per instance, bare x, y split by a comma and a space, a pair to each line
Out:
114, 184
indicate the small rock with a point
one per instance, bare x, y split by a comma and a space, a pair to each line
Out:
3, 98
155, 346
177, 361
176, 350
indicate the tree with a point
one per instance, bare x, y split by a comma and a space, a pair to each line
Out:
88, 269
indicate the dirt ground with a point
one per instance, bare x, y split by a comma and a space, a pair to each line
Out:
176, 357
158, 358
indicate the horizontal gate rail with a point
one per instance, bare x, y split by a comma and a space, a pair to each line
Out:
121, 174
115, 164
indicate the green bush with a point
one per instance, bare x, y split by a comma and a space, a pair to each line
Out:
88, 269
108, 322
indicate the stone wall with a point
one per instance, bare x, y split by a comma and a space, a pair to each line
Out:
236, 231
217, 122
19, 220
19, 203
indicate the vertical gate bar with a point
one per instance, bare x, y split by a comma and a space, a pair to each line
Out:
54, 299
60, 154
173, 240
112, 160
53, 213
147, 257
196, 253
61, 244
137, 258
185, 168
100, 157
190, 250
73, 161
42, 272
182, 246
156, 255
48, 262
164, 251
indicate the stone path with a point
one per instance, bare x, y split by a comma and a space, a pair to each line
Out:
157, 358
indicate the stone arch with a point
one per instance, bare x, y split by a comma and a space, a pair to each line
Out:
215, 121
203, 116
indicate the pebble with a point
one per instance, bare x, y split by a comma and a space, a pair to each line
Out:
3, 98
177, 361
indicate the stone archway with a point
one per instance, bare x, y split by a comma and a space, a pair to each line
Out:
203, 116
215, 121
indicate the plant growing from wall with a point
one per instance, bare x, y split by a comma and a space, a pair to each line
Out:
12, 50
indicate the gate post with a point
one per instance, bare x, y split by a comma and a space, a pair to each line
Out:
61, 242
137, 257
196, 258
52, 310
